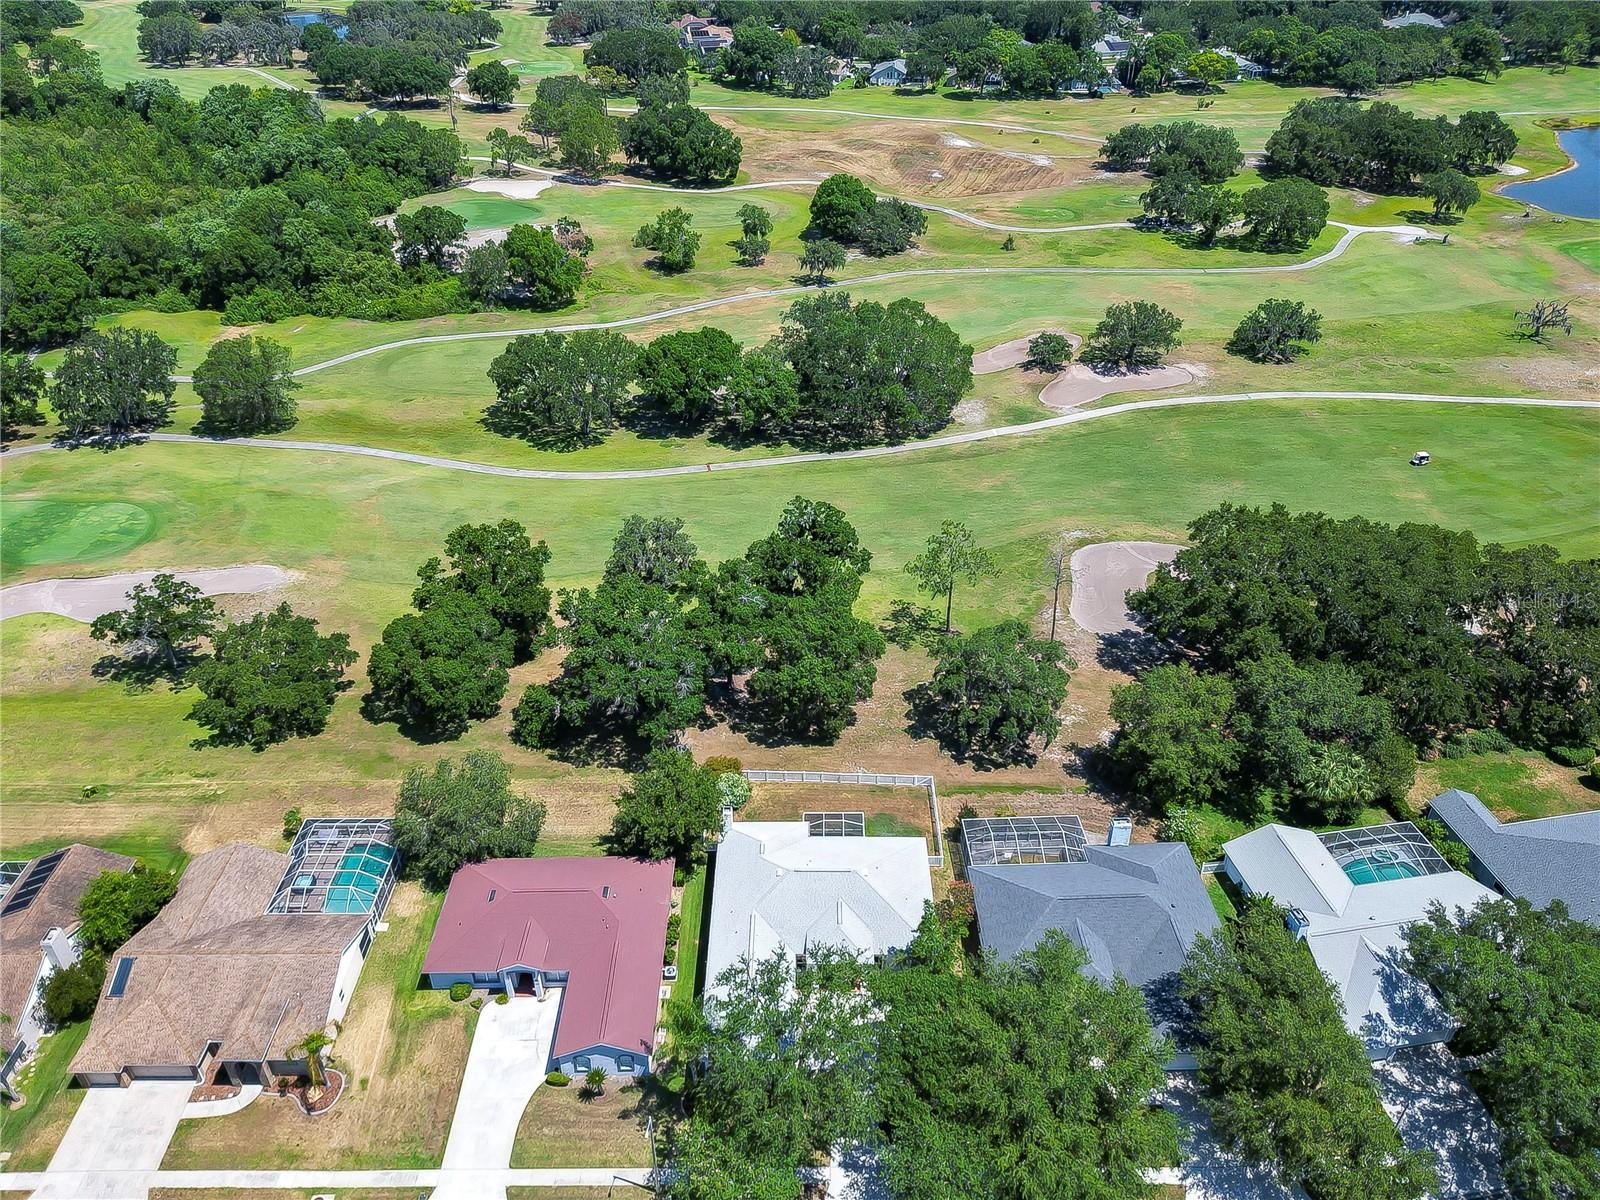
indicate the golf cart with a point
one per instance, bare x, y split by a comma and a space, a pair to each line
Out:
1421, 458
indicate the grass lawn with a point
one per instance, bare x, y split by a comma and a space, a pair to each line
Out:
32, 1131
403, 1052
1517, 786
562, 1127
356, 530
693, 915
1220, 900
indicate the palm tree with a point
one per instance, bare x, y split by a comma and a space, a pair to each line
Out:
312, 1046
595, 1081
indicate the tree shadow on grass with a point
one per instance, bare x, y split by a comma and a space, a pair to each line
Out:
1131, 651
138, 673
496, 420
600, 744
923, 716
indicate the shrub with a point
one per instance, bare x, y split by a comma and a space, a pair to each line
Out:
477, 1002
595, 1081
1452, 851
558, 1079
460, 991
1571, 756
674, 924
292, 821
723, 764
503, 998
1476, 741
1202, 828
733, 791
70, 993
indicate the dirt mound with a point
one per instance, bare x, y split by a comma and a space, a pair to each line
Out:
906, 160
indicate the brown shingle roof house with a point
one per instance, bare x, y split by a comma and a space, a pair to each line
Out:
227, 975
38, 934
594, 927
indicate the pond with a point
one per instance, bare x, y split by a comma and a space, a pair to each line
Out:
301, 19
1575, 191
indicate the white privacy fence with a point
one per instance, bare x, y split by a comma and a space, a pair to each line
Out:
868, 779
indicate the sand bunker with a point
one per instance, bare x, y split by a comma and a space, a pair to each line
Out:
517, 189
1080, 383
1512, 169
85, 599
1013, 353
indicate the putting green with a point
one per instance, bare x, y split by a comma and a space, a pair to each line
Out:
37, 532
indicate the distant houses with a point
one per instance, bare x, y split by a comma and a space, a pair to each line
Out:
1552, 858
591, 932
701, 37
1350, 895
39, 936
256, 950
1134, 910
1113, 48
891, 73
783, 887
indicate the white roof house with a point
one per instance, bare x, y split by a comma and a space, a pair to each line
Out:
779, 887
1350, 894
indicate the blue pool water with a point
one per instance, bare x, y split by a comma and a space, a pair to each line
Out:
356, 884
1575, 191
301, 19
1379, 867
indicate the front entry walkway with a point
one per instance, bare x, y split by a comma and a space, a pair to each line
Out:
117, 1138
509, 1057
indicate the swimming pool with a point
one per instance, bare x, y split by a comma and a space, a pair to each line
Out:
359, 879
1380, 866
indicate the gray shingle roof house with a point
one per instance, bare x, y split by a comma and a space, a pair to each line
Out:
39, 935
1134, 910
256, 950
891, 73
1350, 894
1553, 858
778, 887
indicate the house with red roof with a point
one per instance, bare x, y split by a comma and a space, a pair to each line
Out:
592, 931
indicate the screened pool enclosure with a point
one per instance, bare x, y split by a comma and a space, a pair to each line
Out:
339, 865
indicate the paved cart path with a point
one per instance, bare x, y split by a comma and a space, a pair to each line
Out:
1405, 232
750, 464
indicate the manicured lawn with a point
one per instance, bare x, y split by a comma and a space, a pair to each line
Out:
692, 916
1517, 786
357, 528
32, 1131
403, 1052
562, 1127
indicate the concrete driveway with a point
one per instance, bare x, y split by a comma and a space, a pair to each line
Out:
1104, 574
118, 1136
509, 1057
85, 599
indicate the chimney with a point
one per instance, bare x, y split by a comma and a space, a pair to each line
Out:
1121, 832
58, 948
